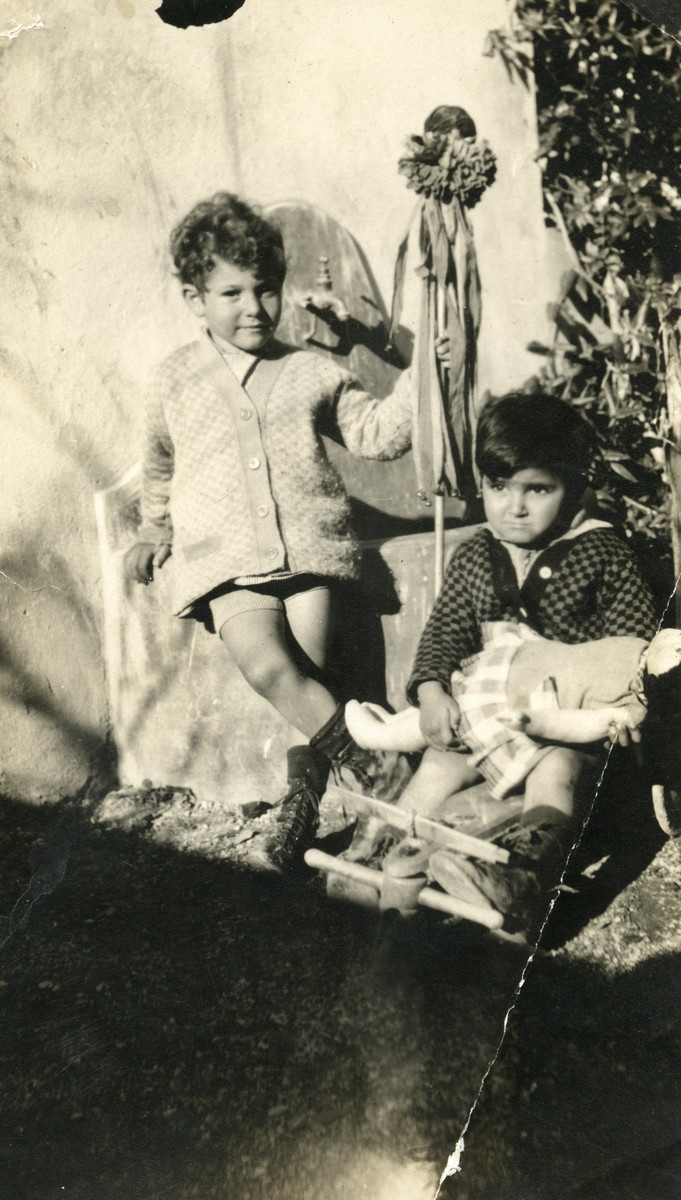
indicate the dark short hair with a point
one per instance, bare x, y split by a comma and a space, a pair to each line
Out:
661, 729
663, 692
449, 117
225, 227
524, 430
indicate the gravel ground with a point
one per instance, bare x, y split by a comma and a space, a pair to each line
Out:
176, 1025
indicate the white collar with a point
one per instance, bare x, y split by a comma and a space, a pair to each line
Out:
523, 557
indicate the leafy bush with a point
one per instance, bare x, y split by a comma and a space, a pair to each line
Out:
608, 87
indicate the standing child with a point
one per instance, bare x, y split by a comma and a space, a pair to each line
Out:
541, 562
238, 482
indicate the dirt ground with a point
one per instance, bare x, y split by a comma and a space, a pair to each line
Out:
174, 1024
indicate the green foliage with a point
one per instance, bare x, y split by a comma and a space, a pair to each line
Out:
608, 88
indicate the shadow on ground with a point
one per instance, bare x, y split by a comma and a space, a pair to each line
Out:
585, 1097
621, 839
176, 1026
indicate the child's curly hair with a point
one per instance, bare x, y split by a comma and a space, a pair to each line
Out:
227, 228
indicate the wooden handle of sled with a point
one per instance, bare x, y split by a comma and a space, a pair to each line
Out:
320, 861
427, 897
441, 902
424, 827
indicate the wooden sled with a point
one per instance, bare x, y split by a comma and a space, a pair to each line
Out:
466, 824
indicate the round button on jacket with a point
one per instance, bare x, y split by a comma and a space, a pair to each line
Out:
245, 413
254, 463
271, 553
545, 572
262, 510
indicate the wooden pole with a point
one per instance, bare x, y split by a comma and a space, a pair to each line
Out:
427, 897
439, 519
438, 494
671, 343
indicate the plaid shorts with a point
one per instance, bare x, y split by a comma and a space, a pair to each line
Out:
504, 756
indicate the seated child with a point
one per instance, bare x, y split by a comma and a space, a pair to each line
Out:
238, 483
592, 691
520, 688
540, 562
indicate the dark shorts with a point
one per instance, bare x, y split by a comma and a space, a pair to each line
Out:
272, 594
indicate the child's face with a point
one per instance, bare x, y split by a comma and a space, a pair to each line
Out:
525, 507
237, 306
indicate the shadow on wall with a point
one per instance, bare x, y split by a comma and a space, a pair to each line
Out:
51, 679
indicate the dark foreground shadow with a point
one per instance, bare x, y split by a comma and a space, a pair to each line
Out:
622, 835
174, 1026
586, 1093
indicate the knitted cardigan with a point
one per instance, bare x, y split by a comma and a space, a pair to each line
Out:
239, 480
577, 590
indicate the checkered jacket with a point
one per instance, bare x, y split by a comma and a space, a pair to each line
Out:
239, 480
579, 589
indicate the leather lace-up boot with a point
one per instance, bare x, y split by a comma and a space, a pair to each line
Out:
372, 772
298, 818
520, 889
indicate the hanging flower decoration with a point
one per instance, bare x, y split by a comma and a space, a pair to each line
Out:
449, 168
445, 167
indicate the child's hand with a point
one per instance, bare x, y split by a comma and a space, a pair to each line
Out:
325, 305
439, 715
625, 728
516, 718
442, 349
143, 559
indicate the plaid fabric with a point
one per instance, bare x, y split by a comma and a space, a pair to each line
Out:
578, 590
504, 756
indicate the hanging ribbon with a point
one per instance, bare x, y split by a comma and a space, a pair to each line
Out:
444, 400
444, 412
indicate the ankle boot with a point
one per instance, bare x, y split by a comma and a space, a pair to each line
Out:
333, 739
298, 818
520, 889
372, 772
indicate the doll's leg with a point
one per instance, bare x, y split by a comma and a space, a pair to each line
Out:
440, 774
376, 729
259, 644
577, 725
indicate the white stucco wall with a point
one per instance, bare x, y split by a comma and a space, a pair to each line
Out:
344, 90
113, 125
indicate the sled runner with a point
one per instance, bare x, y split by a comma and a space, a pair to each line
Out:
466, 823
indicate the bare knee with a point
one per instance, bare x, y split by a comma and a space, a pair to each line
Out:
561, 780
440, 774
566, 766
269, 674
450, 764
